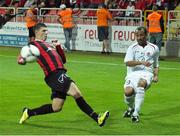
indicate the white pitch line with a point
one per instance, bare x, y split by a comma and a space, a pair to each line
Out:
97, 63
101, 63
116, 64
7, 56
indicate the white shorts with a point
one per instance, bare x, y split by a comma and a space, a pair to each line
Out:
133, 78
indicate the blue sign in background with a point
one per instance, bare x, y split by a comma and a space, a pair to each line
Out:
13, 40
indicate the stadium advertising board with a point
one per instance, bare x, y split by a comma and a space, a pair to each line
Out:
120, 38
13, 34
85, 37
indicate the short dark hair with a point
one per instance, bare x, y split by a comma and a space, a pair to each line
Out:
142, 28
102, 5
155, 8
38, 26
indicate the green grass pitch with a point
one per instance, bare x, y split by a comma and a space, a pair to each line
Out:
100, 79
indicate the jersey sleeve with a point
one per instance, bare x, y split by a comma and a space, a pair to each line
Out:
61, 53
129, 55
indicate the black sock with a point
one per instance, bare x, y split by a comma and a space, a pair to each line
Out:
86, 108
44, 109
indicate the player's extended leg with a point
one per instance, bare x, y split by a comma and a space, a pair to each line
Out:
56, 106
129, 100
86, 108
139, 99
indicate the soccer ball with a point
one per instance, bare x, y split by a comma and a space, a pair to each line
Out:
30, 53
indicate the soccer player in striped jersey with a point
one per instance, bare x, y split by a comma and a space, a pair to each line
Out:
51, 60
142, 68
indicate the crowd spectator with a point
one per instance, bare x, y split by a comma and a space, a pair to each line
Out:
130, 8
2, 3
41, 4
160, 4
50, 3
140, 4
5, 17
122, 4
28, 3
57, 3
31, 21
82, 3
66, 2
95, 3
111, 4
21, 3
66, 20
172, 4
149, 4
17, 3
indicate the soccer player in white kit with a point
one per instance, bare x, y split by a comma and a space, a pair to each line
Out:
142, 68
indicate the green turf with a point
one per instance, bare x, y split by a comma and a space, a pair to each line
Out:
100, 78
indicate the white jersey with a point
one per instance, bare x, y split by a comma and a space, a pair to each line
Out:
149, 53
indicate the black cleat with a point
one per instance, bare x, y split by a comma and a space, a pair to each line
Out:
135, 119
128, 113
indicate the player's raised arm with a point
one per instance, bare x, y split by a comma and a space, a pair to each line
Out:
59, 50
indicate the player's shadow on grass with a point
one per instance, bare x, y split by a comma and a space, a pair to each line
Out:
74, 125
163, 113
59, 127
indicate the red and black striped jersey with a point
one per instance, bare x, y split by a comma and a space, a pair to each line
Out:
50, 59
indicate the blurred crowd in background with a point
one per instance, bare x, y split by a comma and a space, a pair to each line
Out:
111, 4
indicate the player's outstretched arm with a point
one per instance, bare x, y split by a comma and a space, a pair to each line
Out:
61, 53
155, 78
59, 50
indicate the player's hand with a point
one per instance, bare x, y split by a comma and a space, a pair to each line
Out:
155, 79
146, 63
55, 43
21, 60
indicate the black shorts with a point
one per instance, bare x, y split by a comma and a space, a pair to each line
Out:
31, 32
102, 33
59, 83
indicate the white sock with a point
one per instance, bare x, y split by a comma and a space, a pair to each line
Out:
129, 100
139, 99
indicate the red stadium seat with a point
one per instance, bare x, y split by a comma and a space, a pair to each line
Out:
52, 12
2, 11
91, 13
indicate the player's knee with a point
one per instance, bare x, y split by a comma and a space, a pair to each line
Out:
77, 95
57, 104
142, 83
129, 91
56, 108
74, 91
